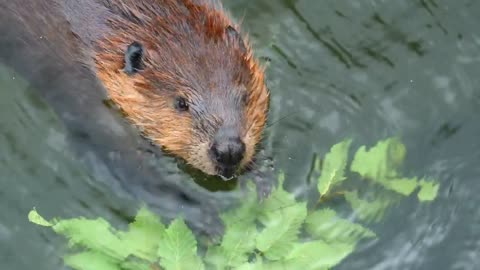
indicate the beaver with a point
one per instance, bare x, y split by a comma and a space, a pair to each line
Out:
180, 71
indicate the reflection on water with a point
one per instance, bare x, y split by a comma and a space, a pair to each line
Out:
362, 69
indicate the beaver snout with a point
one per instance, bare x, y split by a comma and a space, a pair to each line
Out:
227, 150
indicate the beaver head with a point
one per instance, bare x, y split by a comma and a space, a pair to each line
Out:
183, 74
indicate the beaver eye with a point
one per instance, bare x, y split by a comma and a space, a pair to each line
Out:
181, 104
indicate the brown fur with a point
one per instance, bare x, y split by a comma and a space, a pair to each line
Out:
187, 52
70, 51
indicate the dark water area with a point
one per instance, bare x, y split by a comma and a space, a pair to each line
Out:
366, 70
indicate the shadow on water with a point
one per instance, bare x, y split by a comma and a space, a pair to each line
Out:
362, 69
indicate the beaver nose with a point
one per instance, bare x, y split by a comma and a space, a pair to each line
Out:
228, 151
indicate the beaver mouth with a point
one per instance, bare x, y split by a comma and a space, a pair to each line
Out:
227, 154
227, 172
227, 179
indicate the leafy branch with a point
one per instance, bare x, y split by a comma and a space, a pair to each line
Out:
278, 233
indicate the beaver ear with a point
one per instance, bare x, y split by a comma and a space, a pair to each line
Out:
133, 58
235, 36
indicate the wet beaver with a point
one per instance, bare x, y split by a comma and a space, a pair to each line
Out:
179, 70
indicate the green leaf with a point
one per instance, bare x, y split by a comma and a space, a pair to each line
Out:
148, 242
136, 264
334, 167
240, 233
253, 266
91, 260
215, 257
317, 255
282, 217
381, 161
96, 235
281, 230
144, 235
324, 224
370, 211
178, 249
246, 213
428, 191
238, 241
380, 164
404, 186
34, 217
278, 200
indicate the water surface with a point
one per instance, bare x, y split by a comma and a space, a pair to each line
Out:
361, 69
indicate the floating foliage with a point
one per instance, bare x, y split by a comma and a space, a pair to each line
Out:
381, 165
428, 191
143, 235
279, 233
333, 171
178, 249
325, 224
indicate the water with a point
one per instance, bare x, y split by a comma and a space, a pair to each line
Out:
361, 69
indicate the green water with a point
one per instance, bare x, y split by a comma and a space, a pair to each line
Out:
361, 69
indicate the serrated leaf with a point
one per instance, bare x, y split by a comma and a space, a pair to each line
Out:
380, 164
91, 260
96, 235
404, 186
252, 266
144, 235
35, 218
238, 241
246, 213
178, 249
370, 211
317, 255
428, 191
283, 265
334, 164
239, 237
326, 225
215, 258
278, 200
281, 230
135, 264
282, 217
381, 161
